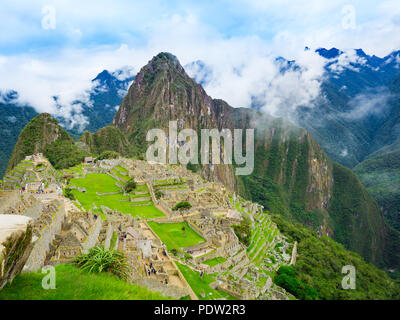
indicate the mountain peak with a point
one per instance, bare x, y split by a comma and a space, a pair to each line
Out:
163, 61
329, 54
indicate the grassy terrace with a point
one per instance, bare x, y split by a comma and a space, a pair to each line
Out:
213, 262
86, 286
103, 183
174, 237
202, 285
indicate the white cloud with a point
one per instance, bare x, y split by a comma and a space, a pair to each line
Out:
239, 46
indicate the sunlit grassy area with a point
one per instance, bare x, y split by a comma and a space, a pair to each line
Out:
75, 284
174, 237
214, 261
102, 183
202, 285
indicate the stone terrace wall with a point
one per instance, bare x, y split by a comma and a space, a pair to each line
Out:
8, 199
91, 239
42, 245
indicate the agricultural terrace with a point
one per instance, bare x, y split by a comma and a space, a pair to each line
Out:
137, 204
172, 235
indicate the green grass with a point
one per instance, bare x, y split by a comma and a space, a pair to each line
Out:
214, 261
103, 183
100, 182
173, 236
86, 286
202, 285
121, 169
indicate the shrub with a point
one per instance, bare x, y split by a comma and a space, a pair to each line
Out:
158, 193
130, 185
68, 194
183, 205
98, 259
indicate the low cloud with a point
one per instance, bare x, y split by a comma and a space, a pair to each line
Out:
373, 102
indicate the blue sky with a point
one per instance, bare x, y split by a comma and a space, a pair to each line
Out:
90, 24
89, 36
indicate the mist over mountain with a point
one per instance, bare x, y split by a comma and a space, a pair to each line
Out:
108, 90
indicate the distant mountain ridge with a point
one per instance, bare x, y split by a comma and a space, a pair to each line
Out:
108, 90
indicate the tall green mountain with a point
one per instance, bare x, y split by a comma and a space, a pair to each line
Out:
292, 177
381, 176
108, 138
44, 135
108, 89
12, 120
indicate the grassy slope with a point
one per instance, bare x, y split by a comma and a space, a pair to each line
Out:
86, 286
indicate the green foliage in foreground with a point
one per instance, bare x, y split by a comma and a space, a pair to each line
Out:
99, 260
319, 265
73, 283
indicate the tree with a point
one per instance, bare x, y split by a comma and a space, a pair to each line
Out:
184, 230
183, 205
130, 185
158, 193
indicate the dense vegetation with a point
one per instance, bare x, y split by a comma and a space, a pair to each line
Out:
12, 120
108, 155
108, 138
64, 154
130, 185
183, 205
381, 177
319, 265
43, 135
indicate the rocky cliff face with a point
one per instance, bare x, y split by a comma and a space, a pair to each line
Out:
292, 175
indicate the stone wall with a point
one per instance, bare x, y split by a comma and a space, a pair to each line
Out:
42, 244
15, 245
8, 199
91, 239
167, 290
